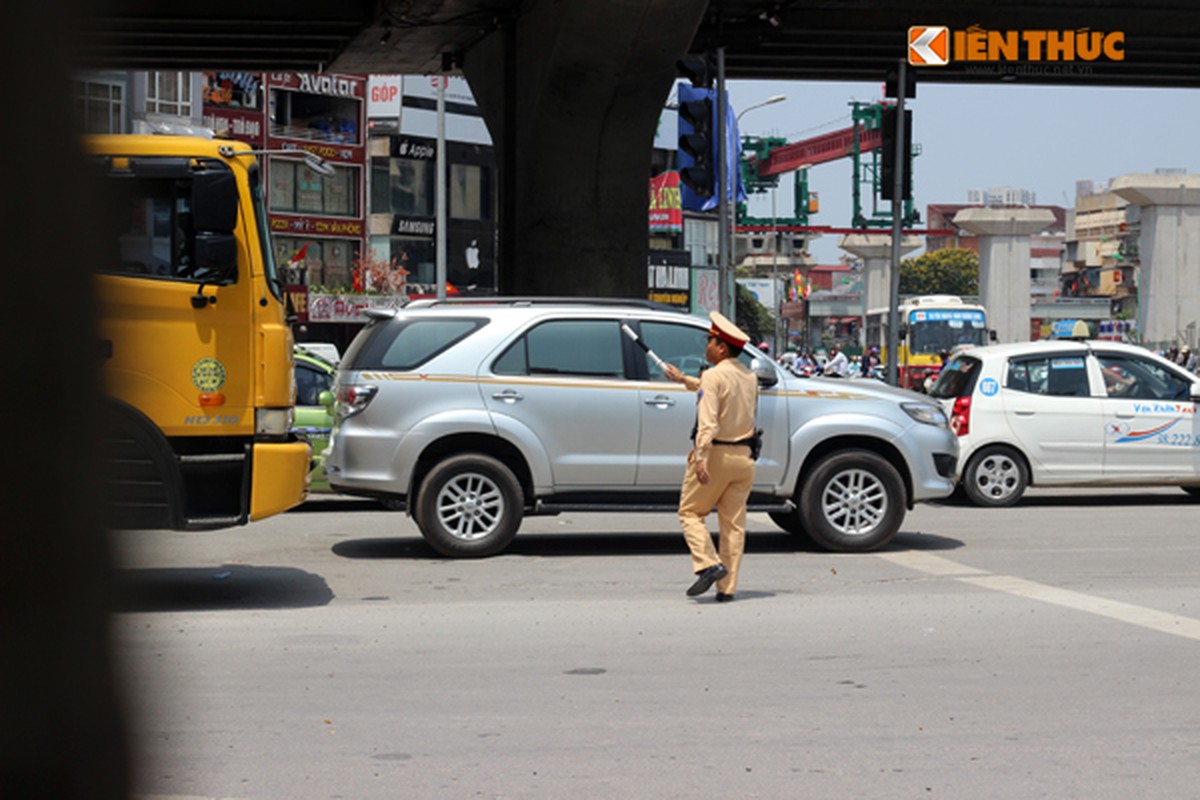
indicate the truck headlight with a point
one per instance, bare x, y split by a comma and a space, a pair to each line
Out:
273, 421
926, 413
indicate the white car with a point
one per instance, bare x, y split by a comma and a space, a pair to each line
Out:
1070, 413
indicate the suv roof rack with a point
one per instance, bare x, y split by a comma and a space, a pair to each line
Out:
535, 300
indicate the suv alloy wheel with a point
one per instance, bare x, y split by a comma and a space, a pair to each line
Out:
469, 505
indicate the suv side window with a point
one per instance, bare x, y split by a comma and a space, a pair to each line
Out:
407, 344
588, 347
1141, 379
681, 345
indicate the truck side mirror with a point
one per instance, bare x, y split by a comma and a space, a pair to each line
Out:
214, 201
214, 219
216, 256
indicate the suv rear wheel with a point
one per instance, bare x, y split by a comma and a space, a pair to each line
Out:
852, 501
469, 506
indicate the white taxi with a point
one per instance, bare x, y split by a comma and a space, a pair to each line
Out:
1070, 413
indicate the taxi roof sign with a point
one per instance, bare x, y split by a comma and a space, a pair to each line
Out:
1070, 329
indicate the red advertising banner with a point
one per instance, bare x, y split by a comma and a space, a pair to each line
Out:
666, 209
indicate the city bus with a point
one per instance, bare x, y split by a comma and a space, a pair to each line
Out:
930, 326
195, 344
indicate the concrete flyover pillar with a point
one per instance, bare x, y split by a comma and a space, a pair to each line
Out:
1004, 263
875, 250
572, 94
1169, 249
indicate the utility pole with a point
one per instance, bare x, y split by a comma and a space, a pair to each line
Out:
441, 187
724, 266
893, 330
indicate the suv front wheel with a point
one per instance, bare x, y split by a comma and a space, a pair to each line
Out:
852, 501
469, 506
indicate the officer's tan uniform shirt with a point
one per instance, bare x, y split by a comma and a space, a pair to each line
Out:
725, 405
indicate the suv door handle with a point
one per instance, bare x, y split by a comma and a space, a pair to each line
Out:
509, 396
661, 400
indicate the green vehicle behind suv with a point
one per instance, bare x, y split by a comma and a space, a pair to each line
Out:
314, 407
475, 414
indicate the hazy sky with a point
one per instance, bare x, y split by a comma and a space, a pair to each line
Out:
1043, 139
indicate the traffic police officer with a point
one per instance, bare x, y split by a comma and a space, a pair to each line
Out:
720, 470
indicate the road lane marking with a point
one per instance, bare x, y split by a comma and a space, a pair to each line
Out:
1151, 619
930, 564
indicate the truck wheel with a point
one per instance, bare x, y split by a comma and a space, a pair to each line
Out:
852, 502
995, 477
469, 506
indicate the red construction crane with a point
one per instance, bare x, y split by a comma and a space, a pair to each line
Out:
819, 150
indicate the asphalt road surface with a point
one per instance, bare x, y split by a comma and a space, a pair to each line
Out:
1044, 651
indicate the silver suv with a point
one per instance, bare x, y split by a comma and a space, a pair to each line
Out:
474, 414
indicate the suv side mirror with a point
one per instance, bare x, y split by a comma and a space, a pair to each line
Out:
1196, 392
766, 374
992, 337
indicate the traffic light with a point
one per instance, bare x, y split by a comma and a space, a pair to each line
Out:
700, 70
887, 172
697, 147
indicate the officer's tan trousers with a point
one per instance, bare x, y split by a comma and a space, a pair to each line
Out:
732, 473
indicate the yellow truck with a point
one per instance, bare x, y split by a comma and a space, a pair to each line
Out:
195, 343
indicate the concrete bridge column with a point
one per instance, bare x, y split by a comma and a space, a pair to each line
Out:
1169, 249
572, 93
875, 250
1004, 263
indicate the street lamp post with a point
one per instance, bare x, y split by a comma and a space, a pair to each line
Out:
728, 215
779, 98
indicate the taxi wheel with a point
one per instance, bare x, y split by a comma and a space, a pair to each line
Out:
469, 506
995, 476
852, 502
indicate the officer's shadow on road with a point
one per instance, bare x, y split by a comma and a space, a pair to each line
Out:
218, 588
583, 543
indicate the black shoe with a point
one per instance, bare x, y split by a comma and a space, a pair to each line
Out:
724, 598
706, 578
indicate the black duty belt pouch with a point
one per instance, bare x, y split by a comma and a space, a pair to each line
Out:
753, 442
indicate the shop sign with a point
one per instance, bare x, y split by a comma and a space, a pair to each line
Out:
316, 83
413, 149
245, 126
297, 295
325, 307
317, 226
411, 226
383, 95
666, 208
